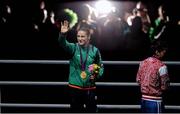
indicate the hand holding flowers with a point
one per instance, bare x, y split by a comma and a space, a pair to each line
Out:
94, 69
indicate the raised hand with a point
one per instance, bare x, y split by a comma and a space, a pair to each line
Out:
64, 26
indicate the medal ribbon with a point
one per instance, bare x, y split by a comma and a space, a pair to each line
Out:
83, 64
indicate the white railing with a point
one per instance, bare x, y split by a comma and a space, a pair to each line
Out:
65, 83
67, 105
67, 62
100, 106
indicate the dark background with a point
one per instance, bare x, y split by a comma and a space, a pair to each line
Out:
19, 40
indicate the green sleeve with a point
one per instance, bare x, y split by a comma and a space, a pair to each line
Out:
69, 47
151, 33
99, 62
153, 30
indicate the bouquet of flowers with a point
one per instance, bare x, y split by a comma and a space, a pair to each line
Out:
94, 69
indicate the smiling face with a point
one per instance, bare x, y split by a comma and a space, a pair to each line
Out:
83, 37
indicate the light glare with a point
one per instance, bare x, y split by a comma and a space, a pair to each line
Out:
103, 7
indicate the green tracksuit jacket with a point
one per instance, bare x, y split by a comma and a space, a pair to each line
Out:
75, 64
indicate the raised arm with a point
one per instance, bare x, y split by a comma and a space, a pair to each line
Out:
69, 47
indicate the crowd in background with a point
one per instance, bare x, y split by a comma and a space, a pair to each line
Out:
29, 29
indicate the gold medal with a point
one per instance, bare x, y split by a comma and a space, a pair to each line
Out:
83, 74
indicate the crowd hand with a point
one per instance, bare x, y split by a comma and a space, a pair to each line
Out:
64, 26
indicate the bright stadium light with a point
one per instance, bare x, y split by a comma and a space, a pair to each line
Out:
103, 7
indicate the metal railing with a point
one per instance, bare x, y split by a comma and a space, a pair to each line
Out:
67, 62
100, 106
65, 83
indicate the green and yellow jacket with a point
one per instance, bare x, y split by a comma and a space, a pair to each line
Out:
94, 57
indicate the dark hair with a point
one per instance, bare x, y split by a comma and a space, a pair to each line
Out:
159, 46
87, 30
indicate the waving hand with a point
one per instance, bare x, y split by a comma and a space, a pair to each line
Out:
64, 26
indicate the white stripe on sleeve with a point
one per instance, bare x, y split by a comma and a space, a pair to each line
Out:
163, 70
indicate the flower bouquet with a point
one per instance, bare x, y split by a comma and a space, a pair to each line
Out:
94, 69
